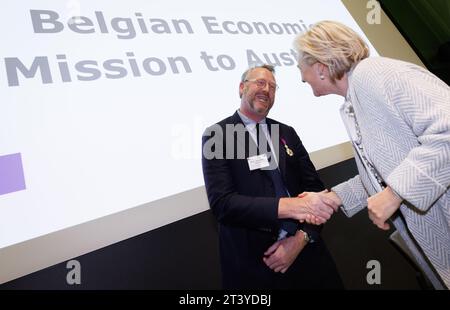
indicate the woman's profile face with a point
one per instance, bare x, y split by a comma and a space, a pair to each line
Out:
312, 74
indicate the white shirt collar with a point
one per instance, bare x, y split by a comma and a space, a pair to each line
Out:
248, 122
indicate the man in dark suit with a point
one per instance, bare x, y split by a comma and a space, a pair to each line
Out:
254, 169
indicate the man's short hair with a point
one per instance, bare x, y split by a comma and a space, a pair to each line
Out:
264, 66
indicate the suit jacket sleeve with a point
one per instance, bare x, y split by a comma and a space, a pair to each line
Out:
229, 206
310, 181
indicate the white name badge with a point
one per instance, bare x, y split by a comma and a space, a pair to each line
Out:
258, 162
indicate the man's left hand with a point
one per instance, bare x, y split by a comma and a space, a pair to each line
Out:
280, 256
381, 206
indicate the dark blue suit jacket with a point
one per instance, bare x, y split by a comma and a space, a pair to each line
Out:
246, 208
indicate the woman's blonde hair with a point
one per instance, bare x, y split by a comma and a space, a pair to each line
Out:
332, 44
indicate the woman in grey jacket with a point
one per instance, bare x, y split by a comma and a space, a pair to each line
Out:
397, 115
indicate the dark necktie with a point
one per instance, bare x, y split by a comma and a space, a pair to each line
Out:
289, 226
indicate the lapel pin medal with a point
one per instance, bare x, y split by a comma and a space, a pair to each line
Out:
286, 147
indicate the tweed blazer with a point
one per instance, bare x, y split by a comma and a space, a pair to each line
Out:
403, 113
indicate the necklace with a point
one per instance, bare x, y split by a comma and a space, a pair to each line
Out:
356, 138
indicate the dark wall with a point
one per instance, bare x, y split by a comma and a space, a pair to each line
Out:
184, 255
425, 25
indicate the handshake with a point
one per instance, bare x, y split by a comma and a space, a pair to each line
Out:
310, 207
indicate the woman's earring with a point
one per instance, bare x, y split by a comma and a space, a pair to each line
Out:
322, 77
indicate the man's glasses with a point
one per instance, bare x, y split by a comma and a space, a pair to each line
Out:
262, 83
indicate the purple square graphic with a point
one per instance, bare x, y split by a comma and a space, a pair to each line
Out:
11, 174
